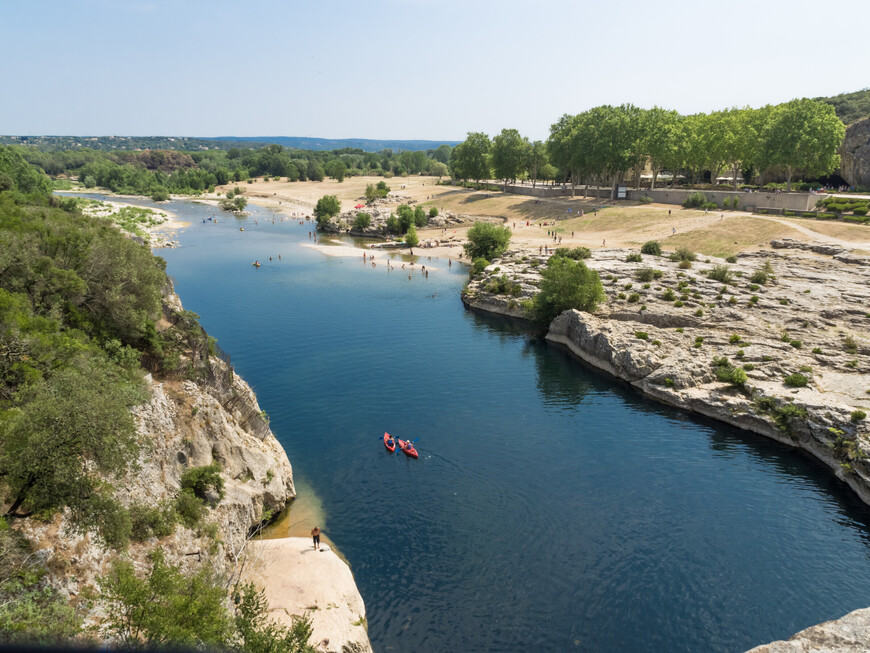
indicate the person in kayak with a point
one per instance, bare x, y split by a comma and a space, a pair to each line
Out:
315, 535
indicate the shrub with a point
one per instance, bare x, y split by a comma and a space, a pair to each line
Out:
726, 373
362, 221
479, 264
327, 207
669, 295
566, 284
850, 345
788, 413
683, 254
160, 195
796, 380
685, 265
806, 369
200, 480
749, 367
486, 240
190, 508
644, 274
643, 335
158, 521
651, 247
695, 200
857, 415
817, 350
753, 300
576, 254
731, 259
634, 258
646, 200
699, 340
797, 344
633, 298
433, 212
734, 339
721, 273
733, 300
678, 303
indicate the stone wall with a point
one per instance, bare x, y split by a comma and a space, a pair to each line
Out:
761, 200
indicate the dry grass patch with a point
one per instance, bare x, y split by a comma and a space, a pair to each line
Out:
727, 237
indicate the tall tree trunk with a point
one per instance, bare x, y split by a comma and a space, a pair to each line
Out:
653, 183
613, 186
788, 183
734, 175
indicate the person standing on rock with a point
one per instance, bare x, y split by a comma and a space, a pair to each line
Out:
315, 535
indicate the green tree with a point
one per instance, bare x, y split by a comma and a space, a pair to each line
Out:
486, 240
337, 170
362, 221
662, 138
71, 429
469, 159
536, 158
803, 135
411, 238
566, 284
509, 155
327, 207
165, 607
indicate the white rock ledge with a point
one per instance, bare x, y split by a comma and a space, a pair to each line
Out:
298, 579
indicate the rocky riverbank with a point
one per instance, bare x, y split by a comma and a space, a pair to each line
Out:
192, 424
774, 343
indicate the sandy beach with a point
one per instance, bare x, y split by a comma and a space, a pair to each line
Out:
579, 221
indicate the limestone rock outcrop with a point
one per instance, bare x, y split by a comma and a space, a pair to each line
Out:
849, 634
855, 153
673, 332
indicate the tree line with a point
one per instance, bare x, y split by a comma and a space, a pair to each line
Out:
607, 144
157, 173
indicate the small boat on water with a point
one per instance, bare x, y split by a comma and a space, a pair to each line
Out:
256, 264
407, 448
389, 442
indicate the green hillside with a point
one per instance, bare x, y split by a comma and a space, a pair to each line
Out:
850, 106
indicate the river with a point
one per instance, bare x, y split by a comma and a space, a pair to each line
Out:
551, 509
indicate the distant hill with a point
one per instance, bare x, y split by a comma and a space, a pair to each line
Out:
367, 145
850, 106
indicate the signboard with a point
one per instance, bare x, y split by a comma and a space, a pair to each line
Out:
620, 193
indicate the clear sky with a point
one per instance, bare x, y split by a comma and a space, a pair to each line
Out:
429, 69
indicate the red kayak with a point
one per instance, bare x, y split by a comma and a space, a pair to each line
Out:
407, 448
389, 442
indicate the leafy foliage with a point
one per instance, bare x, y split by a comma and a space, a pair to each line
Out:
566, 284
327, 207
30, 610
486, 240
651, 247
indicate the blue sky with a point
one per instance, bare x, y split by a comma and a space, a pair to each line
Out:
407, 68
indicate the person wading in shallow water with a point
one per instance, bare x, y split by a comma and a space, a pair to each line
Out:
315, 535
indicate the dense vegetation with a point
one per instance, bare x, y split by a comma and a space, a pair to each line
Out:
79, 305
850, 106
566, 283
159, 172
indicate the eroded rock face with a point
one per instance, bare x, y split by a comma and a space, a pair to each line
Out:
855, 154
849, 634
663, 333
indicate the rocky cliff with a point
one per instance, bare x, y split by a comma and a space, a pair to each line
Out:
187, 424
855, 153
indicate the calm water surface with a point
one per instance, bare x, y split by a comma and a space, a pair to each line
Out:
551, 509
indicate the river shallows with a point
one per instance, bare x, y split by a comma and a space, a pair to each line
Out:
551, 509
